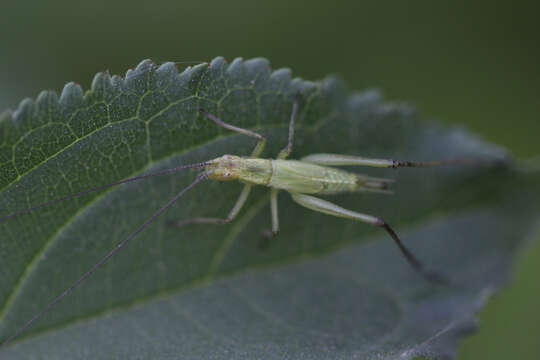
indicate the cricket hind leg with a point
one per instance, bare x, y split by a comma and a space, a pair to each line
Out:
206, 220
329, 208
337, 160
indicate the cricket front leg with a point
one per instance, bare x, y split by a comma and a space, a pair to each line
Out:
261, 139
232, 214
329, 208
286, 151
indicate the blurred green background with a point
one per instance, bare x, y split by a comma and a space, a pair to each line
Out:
472, 63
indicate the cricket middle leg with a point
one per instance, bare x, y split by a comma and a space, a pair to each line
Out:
266, 235
205, 220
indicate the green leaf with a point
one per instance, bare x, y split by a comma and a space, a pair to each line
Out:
324, 288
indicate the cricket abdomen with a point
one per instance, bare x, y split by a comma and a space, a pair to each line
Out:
306, 178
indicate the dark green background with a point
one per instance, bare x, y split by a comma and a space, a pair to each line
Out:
473, 63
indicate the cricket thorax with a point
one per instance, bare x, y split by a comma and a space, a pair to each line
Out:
231, 167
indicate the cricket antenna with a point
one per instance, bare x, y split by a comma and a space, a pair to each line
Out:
182, 62
101, 187
105, 259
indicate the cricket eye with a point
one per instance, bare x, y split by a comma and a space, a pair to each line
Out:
227, 174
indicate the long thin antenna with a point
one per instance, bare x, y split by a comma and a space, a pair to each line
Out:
106, 258
101, 187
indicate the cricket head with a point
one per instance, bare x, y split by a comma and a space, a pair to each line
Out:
226, 167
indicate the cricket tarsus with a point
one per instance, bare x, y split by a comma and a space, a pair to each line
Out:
411, 259
264, 240
99, 188
104, 260
433, 163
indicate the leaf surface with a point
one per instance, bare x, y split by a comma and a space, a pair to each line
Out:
324, 288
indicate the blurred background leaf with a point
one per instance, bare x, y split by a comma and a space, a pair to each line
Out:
474, 63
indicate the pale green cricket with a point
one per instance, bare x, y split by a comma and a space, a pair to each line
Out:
302, 179
311, 175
